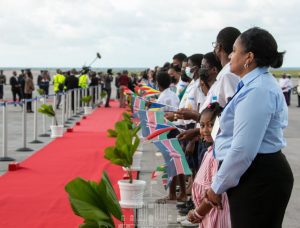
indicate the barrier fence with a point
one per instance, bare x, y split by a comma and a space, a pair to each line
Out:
68, 112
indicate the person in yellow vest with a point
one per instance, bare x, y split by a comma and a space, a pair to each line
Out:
58, 85
83, 81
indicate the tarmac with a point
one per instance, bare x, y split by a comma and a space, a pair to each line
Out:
152, 214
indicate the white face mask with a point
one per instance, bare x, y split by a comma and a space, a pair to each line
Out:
188, 72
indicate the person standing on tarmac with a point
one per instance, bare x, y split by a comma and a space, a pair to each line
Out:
2, 83
72, 83
58, 85
108, 78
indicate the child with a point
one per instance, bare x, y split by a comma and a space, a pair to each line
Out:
169, 98
205, 213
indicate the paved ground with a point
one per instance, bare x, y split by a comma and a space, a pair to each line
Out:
153, 215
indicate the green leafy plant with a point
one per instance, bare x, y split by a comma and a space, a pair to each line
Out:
126, 118
95, 202
41, 91
103, 94
127, 142
49, 111
86, 99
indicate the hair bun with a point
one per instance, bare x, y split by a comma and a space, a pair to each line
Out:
278, 60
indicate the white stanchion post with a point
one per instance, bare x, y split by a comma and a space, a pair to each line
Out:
75, 102
4, 137
63, 110
45, 134
54, 106
24, 129
35, 140
70, 103
97, 95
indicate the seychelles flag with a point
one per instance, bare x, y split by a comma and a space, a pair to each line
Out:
156, 105
174, 157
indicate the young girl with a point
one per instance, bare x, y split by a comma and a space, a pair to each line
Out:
205, 213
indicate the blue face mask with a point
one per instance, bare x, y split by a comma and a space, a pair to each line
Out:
188, 72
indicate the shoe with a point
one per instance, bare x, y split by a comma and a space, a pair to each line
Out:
107, 106
181, 205
186, 223
180, 218
185, 211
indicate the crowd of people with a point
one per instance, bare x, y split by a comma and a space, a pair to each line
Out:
233, 113
23, 85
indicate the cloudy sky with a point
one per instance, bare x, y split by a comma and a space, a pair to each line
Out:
133, 33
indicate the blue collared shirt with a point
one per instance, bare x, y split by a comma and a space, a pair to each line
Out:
251, 123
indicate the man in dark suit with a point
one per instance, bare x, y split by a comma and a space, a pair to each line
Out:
72, 83
15, 87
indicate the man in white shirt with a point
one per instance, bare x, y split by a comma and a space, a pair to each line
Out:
284, 85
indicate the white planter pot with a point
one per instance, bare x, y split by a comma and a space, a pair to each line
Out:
57, 131
87, 110
131, 194
136, 161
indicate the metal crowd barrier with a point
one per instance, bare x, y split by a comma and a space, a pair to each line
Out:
67, 114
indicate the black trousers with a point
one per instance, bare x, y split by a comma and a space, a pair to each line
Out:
286, 96
16, 92
108, 91
1, 91
262, 195
29, 103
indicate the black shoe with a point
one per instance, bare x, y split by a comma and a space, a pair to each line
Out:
181, 206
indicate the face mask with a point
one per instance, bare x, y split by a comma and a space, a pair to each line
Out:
184, 77
204, 74
188, 72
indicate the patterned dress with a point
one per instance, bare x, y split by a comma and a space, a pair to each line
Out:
215, 218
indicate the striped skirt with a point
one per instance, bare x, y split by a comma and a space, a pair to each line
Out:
215, 218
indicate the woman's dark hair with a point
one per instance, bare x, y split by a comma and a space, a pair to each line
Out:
212, 60
227, 37
163, 79
264, 47
213, 108
196, 59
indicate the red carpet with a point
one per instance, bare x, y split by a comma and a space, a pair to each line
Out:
34, 196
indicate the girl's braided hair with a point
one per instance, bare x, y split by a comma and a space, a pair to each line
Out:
213, 108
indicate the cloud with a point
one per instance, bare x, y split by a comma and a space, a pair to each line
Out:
133, 33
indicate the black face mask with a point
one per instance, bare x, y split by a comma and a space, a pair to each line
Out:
173, 80
204, 76
184, 77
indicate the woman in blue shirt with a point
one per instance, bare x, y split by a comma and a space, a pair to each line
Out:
254, 172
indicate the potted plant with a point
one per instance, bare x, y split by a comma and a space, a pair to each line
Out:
138, 154
41, 92
86, 101
122, 154
56, 130
95, 202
